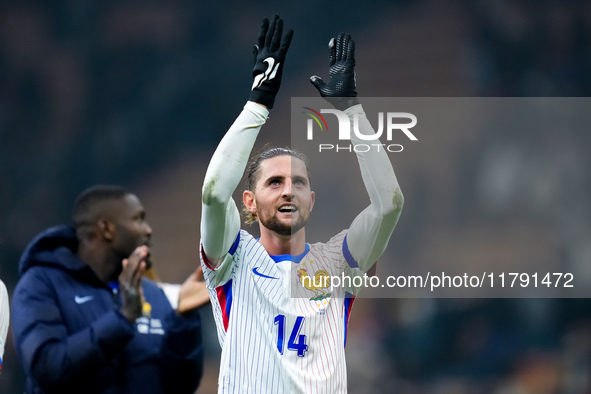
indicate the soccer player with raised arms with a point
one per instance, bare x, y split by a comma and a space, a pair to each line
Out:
275, 337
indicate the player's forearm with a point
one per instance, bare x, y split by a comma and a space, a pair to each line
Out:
231, 156
371, 230
376, 170
220, 221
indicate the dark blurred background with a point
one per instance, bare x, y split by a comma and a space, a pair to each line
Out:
138, 93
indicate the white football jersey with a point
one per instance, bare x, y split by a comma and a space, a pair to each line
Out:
4, 319
281, 332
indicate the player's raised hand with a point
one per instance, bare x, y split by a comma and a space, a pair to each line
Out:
269, 56
130, 284
341, 88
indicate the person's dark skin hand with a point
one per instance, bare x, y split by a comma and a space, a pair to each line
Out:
130, 284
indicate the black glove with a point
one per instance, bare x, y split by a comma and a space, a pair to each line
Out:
269, 56
340, 90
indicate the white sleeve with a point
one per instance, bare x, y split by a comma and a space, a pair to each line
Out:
370, 231
4, 319
171, 291
220, 218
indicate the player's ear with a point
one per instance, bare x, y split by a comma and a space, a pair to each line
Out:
312, 199
249, 201
105, 229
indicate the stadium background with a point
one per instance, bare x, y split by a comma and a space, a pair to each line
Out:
139, 93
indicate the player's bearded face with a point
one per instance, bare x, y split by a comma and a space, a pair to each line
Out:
283, 196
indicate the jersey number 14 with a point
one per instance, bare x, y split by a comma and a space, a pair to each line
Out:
297, 342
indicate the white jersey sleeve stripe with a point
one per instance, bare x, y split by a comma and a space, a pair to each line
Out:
4, 319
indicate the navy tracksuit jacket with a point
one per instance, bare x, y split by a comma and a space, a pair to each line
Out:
71, 338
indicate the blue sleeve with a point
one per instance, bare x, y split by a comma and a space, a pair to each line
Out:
47, 352
182, 353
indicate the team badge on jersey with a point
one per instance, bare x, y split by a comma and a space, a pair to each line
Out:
318, 282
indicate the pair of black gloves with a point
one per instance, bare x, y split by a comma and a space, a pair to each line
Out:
269, 56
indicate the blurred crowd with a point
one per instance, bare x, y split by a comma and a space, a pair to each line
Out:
515, 196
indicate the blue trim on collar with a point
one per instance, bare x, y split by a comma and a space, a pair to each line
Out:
288, 257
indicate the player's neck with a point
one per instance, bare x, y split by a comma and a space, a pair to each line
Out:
103, 263
277, 244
